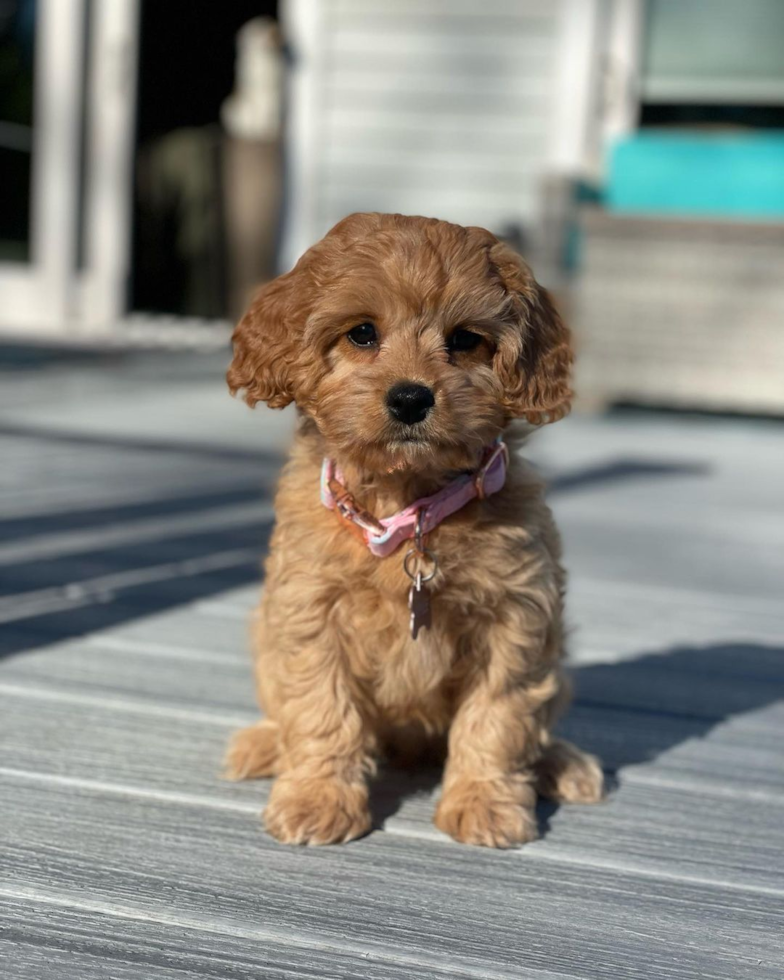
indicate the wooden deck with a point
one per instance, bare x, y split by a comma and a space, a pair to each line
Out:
134, 504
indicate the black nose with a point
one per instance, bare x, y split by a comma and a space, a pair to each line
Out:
409, 403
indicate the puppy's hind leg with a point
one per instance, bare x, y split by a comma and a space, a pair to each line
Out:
566, 774
253, 752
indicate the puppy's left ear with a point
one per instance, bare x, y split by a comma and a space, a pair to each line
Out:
534, 361
266, 344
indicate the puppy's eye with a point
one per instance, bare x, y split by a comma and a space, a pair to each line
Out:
363, 335
462, 340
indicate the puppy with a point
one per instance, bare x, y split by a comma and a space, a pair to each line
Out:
413, 589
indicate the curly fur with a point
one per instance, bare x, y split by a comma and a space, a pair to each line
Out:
339, 678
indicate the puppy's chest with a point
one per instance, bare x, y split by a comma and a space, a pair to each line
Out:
405, 677
404, 671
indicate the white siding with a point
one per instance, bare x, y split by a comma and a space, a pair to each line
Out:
438, 107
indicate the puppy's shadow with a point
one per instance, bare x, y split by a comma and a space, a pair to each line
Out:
633, 712
397, 783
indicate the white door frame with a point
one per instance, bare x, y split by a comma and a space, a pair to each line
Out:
623, 70
103, 287
598, 97
302, 22
35, 296
572, 148
48, 297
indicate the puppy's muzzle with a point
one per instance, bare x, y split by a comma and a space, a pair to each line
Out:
409, 403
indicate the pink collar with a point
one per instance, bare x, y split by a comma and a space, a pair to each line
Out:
383, 536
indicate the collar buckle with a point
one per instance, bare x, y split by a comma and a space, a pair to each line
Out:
347, 507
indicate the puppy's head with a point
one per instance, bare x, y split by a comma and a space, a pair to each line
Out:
411, 342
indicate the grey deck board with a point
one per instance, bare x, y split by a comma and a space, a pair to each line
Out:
616, 715
478, 907
119, 943
228, 633
745, 677
182, 749
644, 824
52, 740
124, 667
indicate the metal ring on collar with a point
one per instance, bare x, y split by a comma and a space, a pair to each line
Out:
427, 553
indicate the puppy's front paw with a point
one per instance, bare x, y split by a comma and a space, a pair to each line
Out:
316, 811
490, 813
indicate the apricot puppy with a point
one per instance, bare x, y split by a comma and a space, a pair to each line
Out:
413, 587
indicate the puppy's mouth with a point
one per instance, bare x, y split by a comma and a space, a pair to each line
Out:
404, 450
402, 441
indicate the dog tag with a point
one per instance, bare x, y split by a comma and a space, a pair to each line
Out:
419, 604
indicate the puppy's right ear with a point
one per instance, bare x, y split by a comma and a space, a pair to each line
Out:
266, 344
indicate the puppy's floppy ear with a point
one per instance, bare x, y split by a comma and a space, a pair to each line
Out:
266, 344
534, 361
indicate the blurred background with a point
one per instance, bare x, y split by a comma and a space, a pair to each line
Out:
159, 158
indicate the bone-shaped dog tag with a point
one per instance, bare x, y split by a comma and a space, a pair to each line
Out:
419, 604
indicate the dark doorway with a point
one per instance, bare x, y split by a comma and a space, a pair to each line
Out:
186, 70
